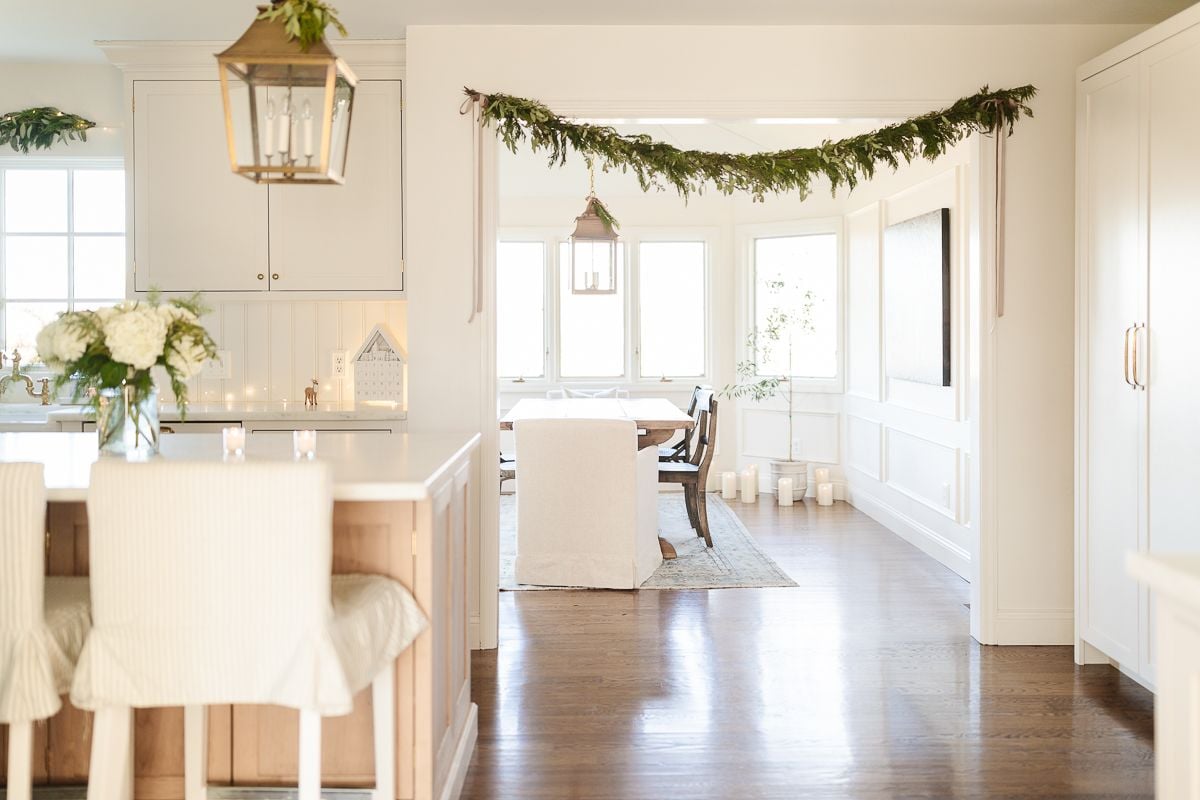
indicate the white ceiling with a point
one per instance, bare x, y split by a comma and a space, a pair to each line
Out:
64, 31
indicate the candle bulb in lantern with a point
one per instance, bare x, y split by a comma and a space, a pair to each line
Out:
749, 486
268, 131
729, 486
285, 127
308, 129
234, 440
784, 491
304, 445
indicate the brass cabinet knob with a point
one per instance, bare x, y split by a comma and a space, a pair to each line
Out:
261, 276
274, 276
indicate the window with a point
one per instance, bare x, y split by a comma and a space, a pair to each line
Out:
521, 309
671, 292
655, 326
798, 274
62, 231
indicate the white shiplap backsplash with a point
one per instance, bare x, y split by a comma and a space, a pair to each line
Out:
275, 348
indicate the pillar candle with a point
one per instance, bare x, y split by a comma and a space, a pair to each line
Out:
784, 492
729, 486
749, 486
821, 474
824, 494
754, 468
304, 444
234, 440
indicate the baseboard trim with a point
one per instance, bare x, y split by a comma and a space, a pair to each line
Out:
920, 536
462, 756
1034, 627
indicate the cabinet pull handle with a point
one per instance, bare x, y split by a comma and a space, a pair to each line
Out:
165, 429
1125, 358
274, 276
261, 276
1137, 383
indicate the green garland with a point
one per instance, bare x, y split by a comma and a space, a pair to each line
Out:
658, 165
41, 127
305, 20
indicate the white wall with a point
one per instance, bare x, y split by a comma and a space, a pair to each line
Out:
752, 71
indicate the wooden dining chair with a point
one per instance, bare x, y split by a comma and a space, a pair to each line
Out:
682, 450
693, 473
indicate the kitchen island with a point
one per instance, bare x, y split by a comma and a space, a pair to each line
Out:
402, 509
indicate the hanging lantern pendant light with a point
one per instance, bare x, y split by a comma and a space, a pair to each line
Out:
592, 248
287, 107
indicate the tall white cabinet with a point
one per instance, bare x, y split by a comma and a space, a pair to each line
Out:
1138, 344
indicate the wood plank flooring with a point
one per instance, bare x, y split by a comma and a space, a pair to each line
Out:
860, 683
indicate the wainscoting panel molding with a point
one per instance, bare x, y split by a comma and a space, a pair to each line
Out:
924, 470
864, 446
764, 434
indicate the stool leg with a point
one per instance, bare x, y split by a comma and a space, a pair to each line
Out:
310, 755
110, 775
195, 752
383, 708
20, 760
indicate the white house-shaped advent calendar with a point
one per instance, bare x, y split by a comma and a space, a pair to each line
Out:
379, 368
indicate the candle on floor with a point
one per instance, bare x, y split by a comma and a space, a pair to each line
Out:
304, 444
234, 440
754, 468
749, 485
729, 486
824, 494
784, 491
821, 474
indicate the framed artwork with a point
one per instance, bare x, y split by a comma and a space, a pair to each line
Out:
916, 298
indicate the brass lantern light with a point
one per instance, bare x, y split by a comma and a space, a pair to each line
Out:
592, 250
287, 108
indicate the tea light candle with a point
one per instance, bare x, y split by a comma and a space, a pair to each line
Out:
729, 486
304, 444
824, 494
821, 474
749, 485
234, 440
784, 491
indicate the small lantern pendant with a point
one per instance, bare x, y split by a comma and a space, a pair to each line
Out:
592, 250
287, 108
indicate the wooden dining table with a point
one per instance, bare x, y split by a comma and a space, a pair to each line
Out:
657, 420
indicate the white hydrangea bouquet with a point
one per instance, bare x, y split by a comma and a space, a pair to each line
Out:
109, 354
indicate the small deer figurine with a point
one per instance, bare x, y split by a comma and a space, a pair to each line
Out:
310, 394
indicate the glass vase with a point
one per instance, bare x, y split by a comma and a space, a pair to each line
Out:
127, 421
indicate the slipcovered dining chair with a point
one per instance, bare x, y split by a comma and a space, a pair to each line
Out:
587, 511
212, 585
43, 621
693, 473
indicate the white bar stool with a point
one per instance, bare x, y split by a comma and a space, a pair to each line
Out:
43, 621
212, 586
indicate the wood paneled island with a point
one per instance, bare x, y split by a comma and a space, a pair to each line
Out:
402, 509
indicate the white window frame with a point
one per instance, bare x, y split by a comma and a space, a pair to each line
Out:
631, 239
536, 236
71, 165
744, 237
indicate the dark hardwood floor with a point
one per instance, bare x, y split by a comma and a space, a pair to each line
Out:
862, 682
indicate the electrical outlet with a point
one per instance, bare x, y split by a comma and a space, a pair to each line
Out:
218, 368
339, 363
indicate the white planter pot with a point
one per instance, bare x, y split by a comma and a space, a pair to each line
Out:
797, 471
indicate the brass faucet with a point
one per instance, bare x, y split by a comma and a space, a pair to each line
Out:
16, 377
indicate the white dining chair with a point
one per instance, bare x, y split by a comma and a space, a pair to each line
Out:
562, 394
43, 621
212, 585
587, 509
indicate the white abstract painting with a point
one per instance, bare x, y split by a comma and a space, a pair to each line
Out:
916, 292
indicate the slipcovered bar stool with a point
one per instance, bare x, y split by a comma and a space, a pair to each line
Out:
43, 621
212, 585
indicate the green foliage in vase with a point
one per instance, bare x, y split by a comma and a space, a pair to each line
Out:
304, 20
120, 345
845, 162
40, 128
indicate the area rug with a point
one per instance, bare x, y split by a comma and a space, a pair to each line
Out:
734, 560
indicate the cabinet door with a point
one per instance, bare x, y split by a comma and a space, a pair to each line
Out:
1114, 273
1170, 341
197, 226
349, 237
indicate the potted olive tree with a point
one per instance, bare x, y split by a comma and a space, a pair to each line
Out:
779, 328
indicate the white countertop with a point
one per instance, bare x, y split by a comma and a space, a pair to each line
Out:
33, 414
366, 466
1175, 576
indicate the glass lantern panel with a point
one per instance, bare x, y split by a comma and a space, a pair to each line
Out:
594, 264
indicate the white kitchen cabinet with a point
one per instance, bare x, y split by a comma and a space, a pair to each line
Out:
199, 227
1137, 348
361, 246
